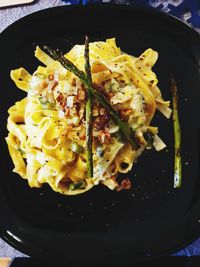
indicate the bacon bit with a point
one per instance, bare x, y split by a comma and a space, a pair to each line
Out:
125, 112
104, 137
60, 97
49, 90
82, 136
113, 177
43, 86
61, 100
101, 121
128, 112
111, 95
100, 88
74, 82
55, 83
51, 77
122, 114
107, 137
67, 110
126, 184
81, 94
64, 184
51, 86
105, 140
77, 106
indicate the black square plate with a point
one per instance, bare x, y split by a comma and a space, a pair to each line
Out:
151, 219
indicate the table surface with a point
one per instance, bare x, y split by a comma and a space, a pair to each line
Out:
187, 10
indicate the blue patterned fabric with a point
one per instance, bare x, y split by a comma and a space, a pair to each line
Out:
189, 12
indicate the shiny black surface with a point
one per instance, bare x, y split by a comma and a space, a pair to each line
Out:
104, 226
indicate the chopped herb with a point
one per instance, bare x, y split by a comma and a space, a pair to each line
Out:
149, 137
46, 104
119, 137
79, 185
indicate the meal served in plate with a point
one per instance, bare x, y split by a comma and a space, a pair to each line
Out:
86, 117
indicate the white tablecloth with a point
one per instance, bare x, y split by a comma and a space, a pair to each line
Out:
10, 14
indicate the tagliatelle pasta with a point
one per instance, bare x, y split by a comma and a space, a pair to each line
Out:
47, 137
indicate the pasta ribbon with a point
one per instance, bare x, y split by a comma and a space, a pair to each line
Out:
22, 78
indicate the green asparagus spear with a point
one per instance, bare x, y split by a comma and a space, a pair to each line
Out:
88, 117
125, 129
177, 136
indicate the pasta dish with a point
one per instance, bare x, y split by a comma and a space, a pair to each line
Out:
49, 130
